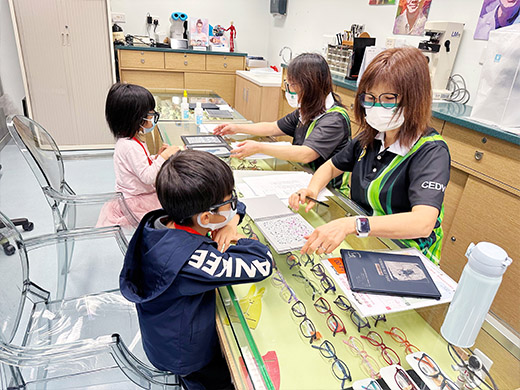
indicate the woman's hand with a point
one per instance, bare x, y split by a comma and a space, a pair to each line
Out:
169, 151
225, 129
246, 149
300, 197
326, 238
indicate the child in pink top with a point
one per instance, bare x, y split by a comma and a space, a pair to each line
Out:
130, 114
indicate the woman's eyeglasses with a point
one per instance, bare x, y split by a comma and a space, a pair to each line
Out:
386, 100
326, 282
333, 321
339, 368
368, 363
307, 327
429, 368
388, 354
343, 303
288, 88
403, 380
399, 336
233, 201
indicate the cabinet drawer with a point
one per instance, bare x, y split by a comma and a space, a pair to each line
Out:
490, 156
224, 63
153, 79
141, 59
182, 61
348, 98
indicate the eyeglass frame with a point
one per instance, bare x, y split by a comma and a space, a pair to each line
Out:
349, 308
303, 275
233, 201
284, 285
397, 338
292, 255
383, 347
469, 369
324, 278
399, 370
335, 358
287, 86
445, 380
363, 354
362, 100
332, 315
315, 334
155, 117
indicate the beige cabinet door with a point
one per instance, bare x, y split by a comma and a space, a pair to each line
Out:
253, 101
240, 96
222, 84
487, 213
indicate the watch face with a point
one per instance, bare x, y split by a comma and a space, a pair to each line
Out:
363, 225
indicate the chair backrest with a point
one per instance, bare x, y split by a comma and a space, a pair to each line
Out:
14, 279
39, 150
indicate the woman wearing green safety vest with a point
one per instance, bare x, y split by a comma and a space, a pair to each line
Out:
400, 166
320, 125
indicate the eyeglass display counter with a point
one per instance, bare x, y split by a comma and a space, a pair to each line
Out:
262, 337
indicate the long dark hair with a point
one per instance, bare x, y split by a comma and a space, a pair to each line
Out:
311, 73
405, 70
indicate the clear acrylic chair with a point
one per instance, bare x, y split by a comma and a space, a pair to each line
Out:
76, 343
46, 162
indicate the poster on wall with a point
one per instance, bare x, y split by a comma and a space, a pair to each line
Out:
496, 14
199, 31
381, 2
411, 17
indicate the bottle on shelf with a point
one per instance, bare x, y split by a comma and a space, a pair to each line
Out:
198, 113
185, 108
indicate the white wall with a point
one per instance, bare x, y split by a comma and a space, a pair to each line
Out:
10, 73
250, 17
308, 20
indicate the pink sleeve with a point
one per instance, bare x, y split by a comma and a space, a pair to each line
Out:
138, 163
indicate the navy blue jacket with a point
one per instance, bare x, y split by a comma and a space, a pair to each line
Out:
171, 275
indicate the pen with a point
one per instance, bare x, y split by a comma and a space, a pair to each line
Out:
317, 201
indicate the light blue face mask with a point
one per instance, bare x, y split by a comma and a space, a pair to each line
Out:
147, 130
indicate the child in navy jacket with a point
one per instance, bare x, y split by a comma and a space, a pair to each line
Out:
172, 267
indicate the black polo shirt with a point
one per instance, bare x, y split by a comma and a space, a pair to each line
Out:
330, 134
387, 183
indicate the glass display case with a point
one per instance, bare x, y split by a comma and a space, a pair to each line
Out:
292, 331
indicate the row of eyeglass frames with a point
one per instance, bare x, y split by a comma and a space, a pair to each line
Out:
307, 328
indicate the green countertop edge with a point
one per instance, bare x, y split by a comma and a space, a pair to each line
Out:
168, 50
441, 111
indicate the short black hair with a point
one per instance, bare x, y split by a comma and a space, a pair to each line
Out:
125, 108
190, 182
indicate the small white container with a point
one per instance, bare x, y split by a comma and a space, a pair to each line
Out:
185, 108
198, 113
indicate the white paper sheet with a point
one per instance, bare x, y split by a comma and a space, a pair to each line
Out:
283, 185
375, 304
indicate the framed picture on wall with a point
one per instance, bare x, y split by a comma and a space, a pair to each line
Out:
411, 17
381, 2
496, 14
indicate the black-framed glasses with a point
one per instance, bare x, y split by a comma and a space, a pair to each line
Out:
463, 362
429, 368
155, 117
386, 100
233, 201
292, 260
403, 380
339, 368
310, 287
307, 327
307, 259
247, 229
326, 282
288, 88
333, 321
343, 303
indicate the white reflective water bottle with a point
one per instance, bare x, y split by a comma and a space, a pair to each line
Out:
198, 113
475, 292
185, 108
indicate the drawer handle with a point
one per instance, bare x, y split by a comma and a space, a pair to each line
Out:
142, 53
479, 155
186, 63
142, 60
453, 238
225, 65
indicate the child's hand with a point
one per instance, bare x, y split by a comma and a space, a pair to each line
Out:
227, 234
162, 148
169, 151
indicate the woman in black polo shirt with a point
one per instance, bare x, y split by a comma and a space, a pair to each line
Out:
400, 166
320, 125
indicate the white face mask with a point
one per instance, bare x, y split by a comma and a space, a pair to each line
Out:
229, 214
382, 119
292, 99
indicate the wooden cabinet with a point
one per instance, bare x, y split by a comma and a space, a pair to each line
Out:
347, 98
181, 70
256, 103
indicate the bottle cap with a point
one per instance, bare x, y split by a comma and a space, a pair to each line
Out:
488, 259
185, 94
